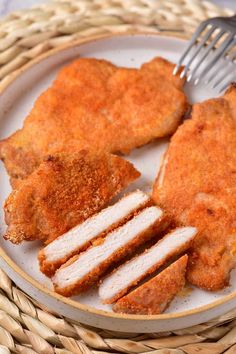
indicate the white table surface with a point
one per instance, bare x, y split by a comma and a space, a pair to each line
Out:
7, 6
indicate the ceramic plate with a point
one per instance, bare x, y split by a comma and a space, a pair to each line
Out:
20, 262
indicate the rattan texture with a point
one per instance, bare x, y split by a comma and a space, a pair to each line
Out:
26, 326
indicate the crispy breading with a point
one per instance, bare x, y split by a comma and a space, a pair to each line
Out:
95, 104
154, 296
197, 186
62, 192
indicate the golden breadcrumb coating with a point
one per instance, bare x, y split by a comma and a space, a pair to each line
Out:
64, 191
95, 104
154, 296
197, 185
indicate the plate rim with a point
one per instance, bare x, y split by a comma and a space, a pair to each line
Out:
36, 284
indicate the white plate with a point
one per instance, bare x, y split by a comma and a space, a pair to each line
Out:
20, 262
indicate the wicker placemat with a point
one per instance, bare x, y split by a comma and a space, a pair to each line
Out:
25, 326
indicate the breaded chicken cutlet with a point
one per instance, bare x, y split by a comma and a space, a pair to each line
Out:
97, 105
62, 192
155, 295
197, 185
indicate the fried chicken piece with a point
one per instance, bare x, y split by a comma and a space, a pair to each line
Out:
197, 185
85, 269
129, 274
64, 191
96, 227
95, 104
154, 296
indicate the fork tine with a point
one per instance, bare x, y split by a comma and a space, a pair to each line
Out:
227, 83
232, 56
223, 76
197, 50
220, 78
197, 33
205, 54
215, 70
217, 54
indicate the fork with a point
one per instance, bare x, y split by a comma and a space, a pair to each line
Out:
213, 42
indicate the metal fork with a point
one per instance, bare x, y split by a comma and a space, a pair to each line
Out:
213, 42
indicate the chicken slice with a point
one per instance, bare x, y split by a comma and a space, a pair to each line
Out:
129, 274
64, 191
85, 269
154, 296
79, 238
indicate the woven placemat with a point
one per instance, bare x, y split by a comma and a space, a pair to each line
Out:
26, 326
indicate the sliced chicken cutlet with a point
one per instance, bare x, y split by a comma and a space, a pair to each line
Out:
197, 185
154, 296
64, 191
97, 226
117, 284
85, 269
95, 104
